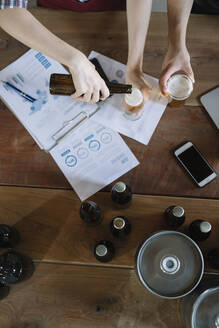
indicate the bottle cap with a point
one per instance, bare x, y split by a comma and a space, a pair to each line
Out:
101, 250
205, 227
178, 211
120, 186
179, 86
118, 223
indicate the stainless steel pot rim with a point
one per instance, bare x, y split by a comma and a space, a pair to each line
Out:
147, 241
199, 300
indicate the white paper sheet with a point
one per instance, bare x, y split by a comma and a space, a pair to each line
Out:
91, 157
112, 110
31, 73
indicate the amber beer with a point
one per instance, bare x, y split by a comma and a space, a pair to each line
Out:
179, 88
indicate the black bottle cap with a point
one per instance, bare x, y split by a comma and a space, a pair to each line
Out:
178, 211
15, 267
104, 251
11, 268
91, 213
118, 223
119, 187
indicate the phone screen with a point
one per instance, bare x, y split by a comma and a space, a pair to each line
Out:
195, 164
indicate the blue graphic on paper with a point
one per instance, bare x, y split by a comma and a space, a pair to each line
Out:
119, 73
82, 153
94, 145
41, 100
114, 81
124, 160
71, 160
41, 96
89, 137
20, 77
43, 60
106, 137
15, 80
67, 151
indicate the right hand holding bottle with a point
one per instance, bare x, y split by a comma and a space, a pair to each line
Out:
90, 87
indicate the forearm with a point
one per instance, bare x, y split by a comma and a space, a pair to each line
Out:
178, 15
138, 16
28, 30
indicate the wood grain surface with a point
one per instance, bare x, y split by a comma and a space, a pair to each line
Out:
23, 163
85, 297
52, 230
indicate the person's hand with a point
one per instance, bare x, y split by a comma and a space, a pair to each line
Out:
174, 61
90, 87
136, 78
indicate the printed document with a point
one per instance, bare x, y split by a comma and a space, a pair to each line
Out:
92, 157
112, 110
42, 118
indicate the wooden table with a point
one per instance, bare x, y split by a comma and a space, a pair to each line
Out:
24, 164
70, 288
87, 293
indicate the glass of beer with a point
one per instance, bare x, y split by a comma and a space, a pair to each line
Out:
179, 88
133, 105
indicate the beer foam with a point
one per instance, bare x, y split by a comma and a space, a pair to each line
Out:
135, 98
179, 86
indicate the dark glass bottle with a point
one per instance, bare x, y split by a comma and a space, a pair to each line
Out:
120, 226
91, 213
174, 216
4, 291
121, 194
213, 258
104, 251
9, 236
199, 230
15, 267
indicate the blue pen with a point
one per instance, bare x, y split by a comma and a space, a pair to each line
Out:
21, 93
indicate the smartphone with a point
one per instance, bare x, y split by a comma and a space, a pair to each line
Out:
195, 164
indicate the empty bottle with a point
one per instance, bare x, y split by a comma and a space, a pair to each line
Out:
213, 258
15, 267
174, 216
9, 236
120, 226
91, 213
104, 251
199, 230
121, 194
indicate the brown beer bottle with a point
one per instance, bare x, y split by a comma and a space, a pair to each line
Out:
91, 213
104, 251
174, 216
62, 84
199, 230
121, 194
120, 226
15, 267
